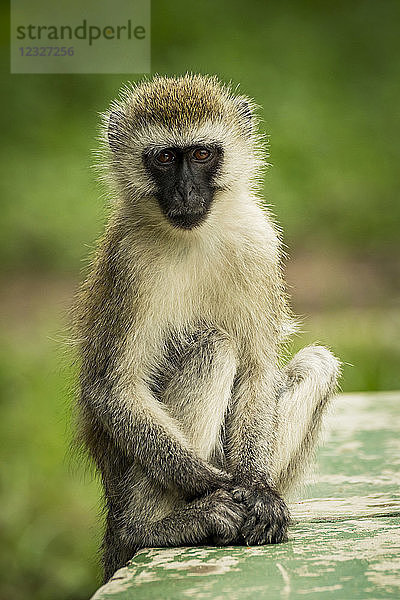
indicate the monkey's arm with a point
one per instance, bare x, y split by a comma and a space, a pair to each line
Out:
141, 428
114, 389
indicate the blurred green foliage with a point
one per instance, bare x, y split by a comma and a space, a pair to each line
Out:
327, 75
47, 523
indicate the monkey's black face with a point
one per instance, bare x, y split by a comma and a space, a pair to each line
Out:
185, 182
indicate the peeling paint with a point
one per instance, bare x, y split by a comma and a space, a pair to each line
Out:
285, 592
120, 582
337, 509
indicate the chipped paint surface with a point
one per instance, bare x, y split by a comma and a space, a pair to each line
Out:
345, 541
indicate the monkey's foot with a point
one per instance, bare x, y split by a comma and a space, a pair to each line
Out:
224, 516
267, 518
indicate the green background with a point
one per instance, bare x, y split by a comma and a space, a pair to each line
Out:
327, 76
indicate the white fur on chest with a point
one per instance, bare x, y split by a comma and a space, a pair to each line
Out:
214, 275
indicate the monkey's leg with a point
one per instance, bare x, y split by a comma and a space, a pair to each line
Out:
215, 518
311, 378
199, 389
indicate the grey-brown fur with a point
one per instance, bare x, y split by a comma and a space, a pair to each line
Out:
191, 422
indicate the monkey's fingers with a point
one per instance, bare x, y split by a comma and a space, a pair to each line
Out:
268, 519
257, 531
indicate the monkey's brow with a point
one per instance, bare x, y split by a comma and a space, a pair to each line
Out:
151, 150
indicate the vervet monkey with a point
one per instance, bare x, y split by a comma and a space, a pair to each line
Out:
196, 427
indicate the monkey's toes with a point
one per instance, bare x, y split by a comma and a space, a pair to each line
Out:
225, 516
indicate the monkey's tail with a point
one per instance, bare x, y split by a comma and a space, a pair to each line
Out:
311, 381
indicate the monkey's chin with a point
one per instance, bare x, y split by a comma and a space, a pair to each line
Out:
187, 221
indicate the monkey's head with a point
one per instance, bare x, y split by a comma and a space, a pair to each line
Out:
174, 143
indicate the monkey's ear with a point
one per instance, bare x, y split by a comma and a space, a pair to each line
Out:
114, 130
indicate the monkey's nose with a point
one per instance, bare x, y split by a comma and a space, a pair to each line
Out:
186, 193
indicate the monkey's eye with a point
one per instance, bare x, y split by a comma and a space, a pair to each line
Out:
165, 157
201, 154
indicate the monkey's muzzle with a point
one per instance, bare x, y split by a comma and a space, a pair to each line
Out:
186, 219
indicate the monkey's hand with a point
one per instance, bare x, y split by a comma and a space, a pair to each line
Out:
224, 517
267, 515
